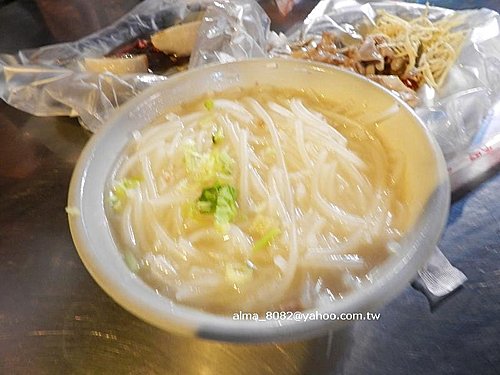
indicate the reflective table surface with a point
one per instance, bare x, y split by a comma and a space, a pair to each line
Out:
54, 319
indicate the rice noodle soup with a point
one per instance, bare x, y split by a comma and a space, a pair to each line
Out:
258, 199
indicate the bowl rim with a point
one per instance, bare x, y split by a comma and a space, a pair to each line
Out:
185, 320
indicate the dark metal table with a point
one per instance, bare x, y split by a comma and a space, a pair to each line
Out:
55, 319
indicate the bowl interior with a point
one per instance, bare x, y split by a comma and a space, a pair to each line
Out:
427, 189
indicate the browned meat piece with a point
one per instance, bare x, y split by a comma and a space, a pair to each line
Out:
373, 58
328, 52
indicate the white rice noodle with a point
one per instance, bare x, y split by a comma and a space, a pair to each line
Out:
243, 167
316, 121
293, 257
161, 131
257, 185
149, 179
294, 171
327, 208
299, 138
280, 110
234, 109
189, 120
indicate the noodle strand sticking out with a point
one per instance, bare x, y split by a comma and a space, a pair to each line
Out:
242, 201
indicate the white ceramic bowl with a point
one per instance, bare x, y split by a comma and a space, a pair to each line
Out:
95, 245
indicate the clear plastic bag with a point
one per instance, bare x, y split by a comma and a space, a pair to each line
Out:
51, 81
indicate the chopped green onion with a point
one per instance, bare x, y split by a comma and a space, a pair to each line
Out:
226, 208
219, 200
119, 194
131, 261
266, 239
217, 136
209, 104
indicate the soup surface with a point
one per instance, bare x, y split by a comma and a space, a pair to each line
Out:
258, 200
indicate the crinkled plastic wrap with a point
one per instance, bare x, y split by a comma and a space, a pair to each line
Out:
51, 81
231, 31
235, 30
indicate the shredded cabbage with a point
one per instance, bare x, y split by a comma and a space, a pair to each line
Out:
131, 261
119, 194
208, 167
266, 239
